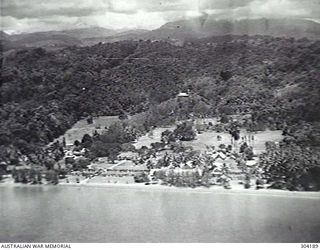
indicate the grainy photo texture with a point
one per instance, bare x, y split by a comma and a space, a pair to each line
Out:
160, 121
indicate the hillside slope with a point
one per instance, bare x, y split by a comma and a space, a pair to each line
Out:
43, 93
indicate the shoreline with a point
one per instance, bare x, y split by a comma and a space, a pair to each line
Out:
162, 188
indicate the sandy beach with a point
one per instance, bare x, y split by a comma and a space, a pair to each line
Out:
236, 189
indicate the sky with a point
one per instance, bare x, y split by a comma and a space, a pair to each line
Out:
42, 15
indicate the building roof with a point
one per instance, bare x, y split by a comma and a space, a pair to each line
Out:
251, 163
3, 164
218, 164
129, 165
219, 155
182, 94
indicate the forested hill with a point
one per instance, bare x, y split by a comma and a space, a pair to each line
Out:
43, 93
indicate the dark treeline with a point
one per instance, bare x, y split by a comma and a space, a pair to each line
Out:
44, 93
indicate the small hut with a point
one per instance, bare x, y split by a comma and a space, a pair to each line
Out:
183, 95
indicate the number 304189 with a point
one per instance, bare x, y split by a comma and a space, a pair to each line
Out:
313, 246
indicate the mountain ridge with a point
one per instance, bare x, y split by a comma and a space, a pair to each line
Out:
181, 30
199, 28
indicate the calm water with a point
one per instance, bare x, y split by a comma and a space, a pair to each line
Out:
93, 214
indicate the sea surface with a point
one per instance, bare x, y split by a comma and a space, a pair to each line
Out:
111, 214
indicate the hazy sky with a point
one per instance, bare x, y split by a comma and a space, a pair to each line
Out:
42, 15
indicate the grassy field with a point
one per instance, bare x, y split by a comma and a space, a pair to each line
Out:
82, 127
99, 123
204, 139
149, 138
260, 138
210, 139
